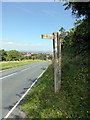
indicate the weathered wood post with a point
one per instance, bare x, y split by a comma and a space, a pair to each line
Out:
57, 61
57, 58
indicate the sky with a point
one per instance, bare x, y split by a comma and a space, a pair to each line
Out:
23, 23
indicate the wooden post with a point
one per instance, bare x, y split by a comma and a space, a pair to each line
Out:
57, 61
57, 57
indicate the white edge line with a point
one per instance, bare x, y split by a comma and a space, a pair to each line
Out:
24, 95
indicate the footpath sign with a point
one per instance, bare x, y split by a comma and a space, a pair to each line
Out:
47, 36
57, 58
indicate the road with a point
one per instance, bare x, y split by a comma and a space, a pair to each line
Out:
16, 81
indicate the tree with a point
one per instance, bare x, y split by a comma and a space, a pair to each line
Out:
78, 22
13, 55
79, 8
3, 55
62, 30
79, 38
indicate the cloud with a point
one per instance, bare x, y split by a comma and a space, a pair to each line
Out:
7, 43
24, 9
29, 44
10, 43
3, 39
26, 46
22, 46
50, 13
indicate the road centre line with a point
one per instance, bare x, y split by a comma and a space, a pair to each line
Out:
20, 66
7, 76
12, 74
25, 69
16, 72
24, 95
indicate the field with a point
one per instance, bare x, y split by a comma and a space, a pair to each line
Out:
70, 102
13, 64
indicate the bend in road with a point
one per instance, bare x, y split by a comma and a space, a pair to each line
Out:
16, 81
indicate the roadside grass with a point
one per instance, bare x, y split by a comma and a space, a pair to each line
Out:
73, 99
13, 64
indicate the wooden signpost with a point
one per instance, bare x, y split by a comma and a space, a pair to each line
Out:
57, 58
47, 36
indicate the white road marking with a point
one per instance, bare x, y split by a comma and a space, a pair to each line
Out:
25, 69
16, 72
13, 74
7, 76
20, 66
23, 96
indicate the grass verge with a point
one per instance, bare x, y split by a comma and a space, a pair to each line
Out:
13, 64
72, 100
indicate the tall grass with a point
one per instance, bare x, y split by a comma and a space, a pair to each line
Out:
70, 102
13, 64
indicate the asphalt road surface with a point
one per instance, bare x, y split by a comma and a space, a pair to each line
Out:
16, 81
